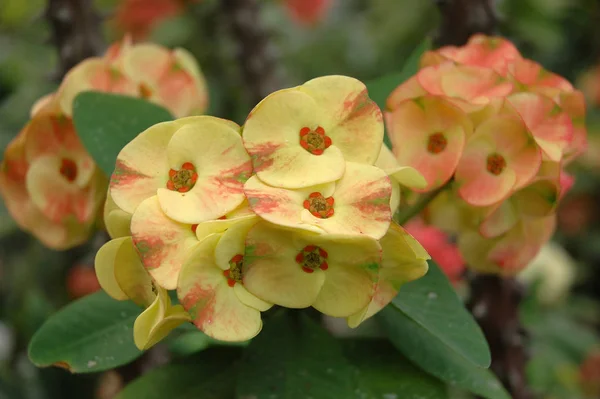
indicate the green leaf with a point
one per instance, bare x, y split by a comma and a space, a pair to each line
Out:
382, 373
208, 375
379, 89
433, 304
91, 334
428, 323
106, 122
294, 357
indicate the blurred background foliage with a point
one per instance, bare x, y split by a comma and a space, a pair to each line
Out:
366, 39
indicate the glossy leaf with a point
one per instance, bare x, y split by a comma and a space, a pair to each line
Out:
207, 375
106, 122
94, 333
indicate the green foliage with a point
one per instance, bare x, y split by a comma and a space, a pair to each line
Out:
107, 122
428, 323
92, 334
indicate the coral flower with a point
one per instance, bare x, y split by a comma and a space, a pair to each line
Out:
300, 137
335, 274
499, 158
404, 260
197, 167
49, 183
428, 134
211, 287
167, 77
358, 203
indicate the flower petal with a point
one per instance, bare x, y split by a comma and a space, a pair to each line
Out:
356, 125
272, 137
250, 300
270, 269
116, 220
213, 305
222, 165
162, 243
131, 276
233, 241
104, 264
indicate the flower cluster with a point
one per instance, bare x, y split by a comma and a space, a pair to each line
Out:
496, 130
49, 182
287, 210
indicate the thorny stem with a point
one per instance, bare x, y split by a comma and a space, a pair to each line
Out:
404, 215
255, 56
76, 31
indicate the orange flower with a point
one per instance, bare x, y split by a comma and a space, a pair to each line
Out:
49, 183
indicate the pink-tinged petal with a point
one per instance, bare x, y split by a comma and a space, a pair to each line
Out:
187, 62
428, 134
130, 274
147, 63
362, 203
270, 270
42, 103
218, 226
441, 56
551, 127
404, 175
92, 74
222, 166
233, 241
573, 103
356, 122
272, 137
162, 243
531, 74
502, 218
404, 260
477, 186
104, 264
56, 196
406, 91
213, 304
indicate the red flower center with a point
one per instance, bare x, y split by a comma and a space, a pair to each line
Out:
437, 143
496, 164
314, 141
234, 274
184, 179
319, 206
312, 258
144, 91
68, 168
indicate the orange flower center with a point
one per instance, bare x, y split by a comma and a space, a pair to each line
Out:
184, 179
437, 143
314, 141
68, 168
496, 164
234, 274
312, 258
319, 206
144, 91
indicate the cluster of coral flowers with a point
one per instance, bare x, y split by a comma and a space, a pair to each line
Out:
292, 209
50, 184
495, 130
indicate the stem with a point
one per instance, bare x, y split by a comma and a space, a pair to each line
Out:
406, 214
76, 31
495, 304
462, 18
258, 66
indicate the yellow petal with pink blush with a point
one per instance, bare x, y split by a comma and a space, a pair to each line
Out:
104, 264
272, 136
131, 276
233, 241
404, 260
221, 164
213, 305
362, 199
404, 175
157, 321
188, 63
354, 122
162, 243
551, 126
428, 134
501, 218
116, 220
218, 226
92, 74
270, 269
539, 198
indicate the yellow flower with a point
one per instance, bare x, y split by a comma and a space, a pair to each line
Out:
300, 137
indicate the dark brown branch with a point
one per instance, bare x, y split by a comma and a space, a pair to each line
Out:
255, 56
463, 18
76, 31
495, 305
